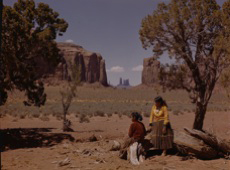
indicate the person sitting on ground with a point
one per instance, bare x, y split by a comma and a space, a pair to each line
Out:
136, 133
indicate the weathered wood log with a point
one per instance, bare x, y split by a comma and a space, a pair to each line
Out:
216, 143
190, 145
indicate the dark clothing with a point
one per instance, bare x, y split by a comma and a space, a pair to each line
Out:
160, 140
137, 131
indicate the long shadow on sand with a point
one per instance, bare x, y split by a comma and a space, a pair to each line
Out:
88, 131
30, 138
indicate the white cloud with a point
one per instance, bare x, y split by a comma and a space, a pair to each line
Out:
138, 68
116, 69
69, 41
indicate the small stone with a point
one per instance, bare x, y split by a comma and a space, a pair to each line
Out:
54, 162
65, 146
116, 146
93, 138
64, 162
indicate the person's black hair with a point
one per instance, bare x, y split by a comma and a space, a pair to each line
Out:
137, 116
161, 101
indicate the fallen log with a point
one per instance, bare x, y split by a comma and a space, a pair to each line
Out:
218, 144
190, 145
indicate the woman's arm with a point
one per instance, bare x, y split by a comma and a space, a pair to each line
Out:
151, 116
166, 115
131, 130
145, 132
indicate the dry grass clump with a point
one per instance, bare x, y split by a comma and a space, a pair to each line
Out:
44, 117
36, 115
120, 115
84, 119
109, 114
22, 115
99, 113
90, 115
59, 117
77, 114
2, 115
177, 112
127, 113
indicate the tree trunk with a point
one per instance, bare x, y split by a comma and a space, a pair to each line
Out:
199, 116
64, 120
1, 62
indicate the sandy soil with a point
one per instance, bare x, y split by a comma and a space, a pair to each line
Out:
96, 155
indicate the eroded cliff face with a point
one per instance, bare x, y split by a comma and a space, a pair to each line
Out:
92, 64
151, 68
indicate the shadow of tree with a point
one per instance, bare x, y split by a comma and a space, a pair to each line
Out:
30, 138
88, 131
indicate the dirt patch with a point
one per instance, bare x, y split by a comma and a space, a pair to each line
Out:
53, 149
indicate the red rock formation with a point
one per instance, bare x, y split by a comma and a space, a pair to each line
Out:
92, 64
151, 68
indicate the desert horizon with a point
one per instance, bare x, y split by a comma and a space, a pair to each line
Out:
113, 84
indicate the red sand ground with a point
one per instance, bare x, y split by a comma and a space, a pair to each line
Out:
96, 155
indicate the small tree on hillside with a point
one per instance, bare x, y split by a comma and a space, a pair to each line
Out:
68, 93
196, 34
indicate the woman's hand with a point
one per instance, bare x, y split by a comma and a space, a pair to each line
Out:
149, 129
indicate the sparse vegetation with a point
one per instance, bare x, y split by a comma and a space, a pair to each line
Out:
112, 102
176, 112
22, 116
36, 115
84, 119
99, 113
44, 117
68, 93
109, 114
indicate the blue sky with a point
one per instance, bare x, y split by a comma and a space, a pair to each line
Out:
109, 27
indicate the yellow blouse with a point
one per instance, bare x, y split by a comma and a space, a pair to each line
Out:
158, 115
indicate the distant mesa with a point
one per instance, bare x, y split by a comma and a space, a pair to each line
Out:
123, 83
151, 68
92, 64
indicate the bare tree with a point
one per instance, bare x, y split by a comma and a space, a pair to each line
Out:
196, 34
68, 93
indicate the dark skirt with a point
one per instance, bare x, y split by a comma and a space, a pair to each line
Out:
160, 140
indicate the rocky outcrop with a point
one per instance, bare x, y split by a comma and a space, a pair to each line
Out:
151, 68
92, 64
123, 83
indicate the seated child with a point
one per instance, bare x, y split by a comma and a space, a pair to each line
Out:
136, 134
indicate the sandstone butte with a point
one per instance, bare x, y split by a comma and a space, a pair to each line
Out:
92, 65
151, 68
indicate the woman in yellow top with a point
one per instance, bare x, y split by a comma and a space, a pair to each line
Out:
162, 134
